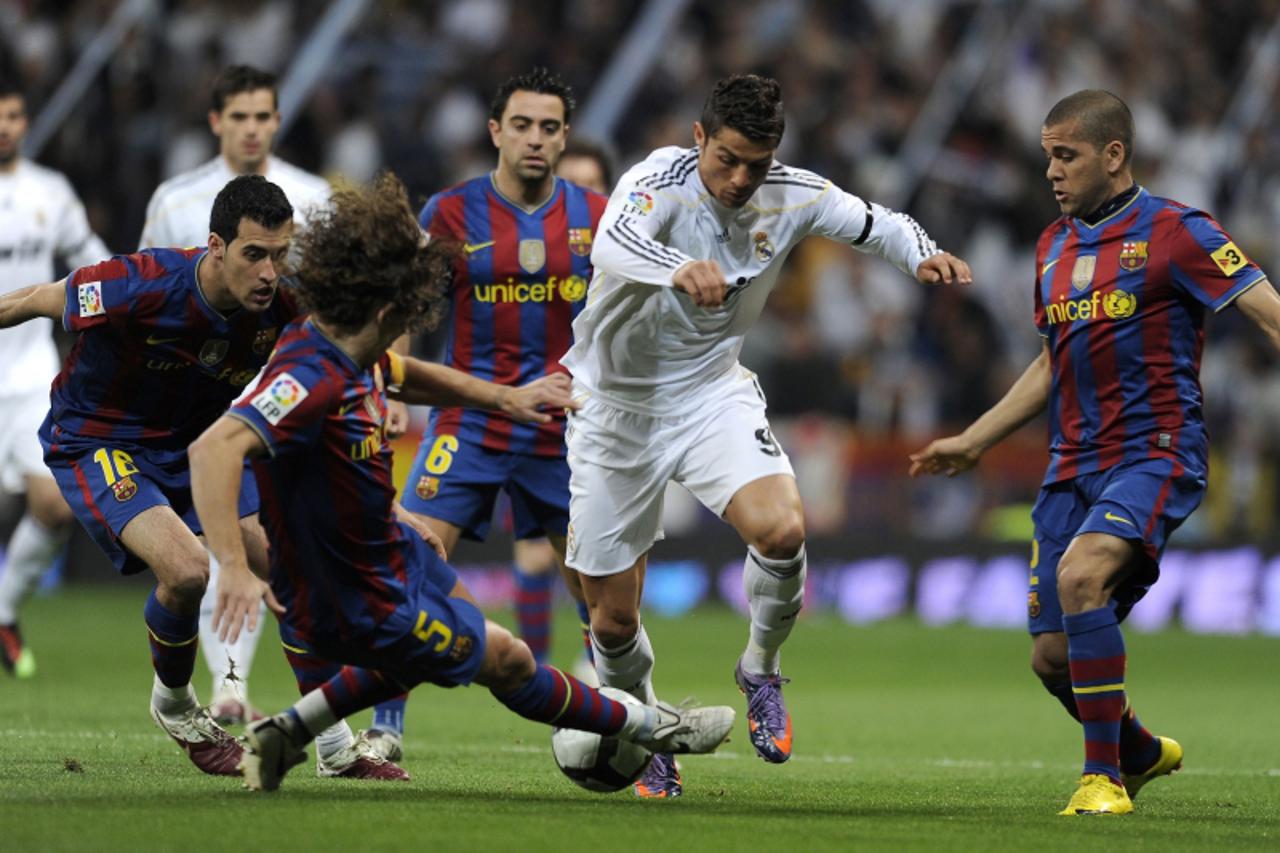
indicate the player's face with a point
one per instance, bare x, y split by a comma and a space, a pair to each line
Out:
13, 126
245, 127
583, 171
530, 136
252, 264
1083, 177
731, 166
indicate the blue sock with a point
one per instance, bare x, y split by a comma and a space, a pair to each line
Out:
559, 699
173, 641
1095, 652
533, 612
389, 716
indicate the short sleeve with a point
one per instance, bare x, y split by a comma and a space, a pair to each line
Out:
98, 295
287, 408
1207, 265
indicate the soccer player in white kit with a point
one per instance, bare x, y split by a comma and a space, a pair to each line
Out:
40, 217
244, 116
685, 257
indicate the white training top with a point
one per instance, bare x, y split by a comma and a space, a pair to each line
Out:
40, 217
178, 213
643, 346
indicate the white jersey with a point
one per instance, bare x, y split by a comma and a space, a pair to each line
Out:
178, 213
40, 218
644, 346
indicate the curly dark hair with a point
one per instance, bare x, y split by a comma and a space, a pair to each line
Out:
749, 104
364, 251
538, 79
235, 79
248, 197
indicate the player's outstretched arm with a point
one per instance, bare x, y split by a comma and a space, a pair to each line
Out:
1261, 304
217, 464
431, 384
38, 300
957, 453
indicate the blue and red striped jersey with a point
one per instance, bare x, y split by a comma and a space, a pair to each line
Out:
154, 363
1121, 304
338, 557
519, 281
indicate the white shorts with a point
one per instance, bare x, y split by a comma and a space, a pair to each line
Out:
20, 450
620, 463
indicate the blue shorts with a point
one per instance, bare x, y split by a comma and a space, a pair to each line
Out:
457, 481
1141, 501
108, 486
431, 637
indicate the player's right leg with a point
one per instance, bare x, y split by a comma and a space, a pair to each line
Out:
34, 547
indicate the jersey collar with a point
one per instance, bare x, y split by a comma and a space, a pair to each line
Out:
1111, 209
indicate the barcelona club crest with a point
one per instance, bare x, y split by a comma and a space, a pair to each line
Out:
263, 340
1133, 254
580, 241
533, 255
213, 352
1033, 604
1082, 272
124, 488
427, 488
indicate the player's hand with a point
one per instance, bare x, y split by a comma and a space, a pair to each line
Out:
421, 527
397, 418
531, 403
950, 456
236, 608
703, 281
944, 268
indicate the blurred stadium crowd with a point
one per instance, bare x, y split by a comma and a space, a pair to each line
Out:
859, 365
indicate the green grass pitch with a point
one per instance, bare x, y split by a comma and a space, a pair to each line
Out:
906, 738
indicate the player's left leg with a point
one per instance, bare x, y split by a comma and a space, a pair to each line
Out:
536, 573
34, 547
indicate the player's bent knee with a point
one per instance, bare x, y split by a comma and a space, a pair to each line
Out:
508, 663
783, 539
1079, 588
613, 628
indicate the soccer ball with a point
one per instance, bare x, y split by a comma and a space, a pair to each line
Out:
597, 763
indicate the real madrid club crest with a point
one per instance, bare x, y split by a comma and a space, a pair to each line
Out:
764, 249
427, 488
1082, 272
214, 351
533, 255
580, 241
263, 340
1133, 254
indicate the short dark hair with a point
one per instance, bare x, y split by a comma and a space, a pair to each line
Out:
235, 79
248, 197
537, 79
1103, 118
365, 250
749, 104
11, 86
591, 151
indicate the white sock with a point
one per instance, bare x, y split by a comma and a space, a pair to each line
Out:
629, 667
221, 657
775, 592
314, 712
33, 548
333, 740
172, 701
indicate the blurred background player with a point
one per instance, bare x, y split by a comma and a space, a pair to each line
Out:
356, 580
1123, 282
166, 339
521, 278
586, 164
244, 117
689, 250
40, 219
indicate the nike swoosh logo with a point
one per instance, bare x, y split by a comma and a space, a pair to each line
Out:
152, 340
1044, 269
471, 248
1113, 517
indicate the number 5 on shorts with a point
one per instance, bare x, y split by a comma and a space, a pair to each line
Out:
115, 466
441, 455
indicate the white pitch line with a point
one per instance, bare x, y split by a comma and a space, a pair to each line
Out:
423, 746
